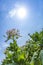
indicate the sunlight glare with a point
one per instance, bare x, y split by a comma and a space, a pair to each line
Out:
21, 13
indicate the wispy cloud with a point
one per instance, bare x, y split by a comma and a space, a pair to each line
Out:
12, 13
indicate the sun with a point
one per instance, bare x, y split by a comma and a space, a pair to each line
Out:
21, 13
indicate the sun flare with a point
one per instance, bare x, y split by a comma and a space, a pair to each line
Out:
18, 12
21, 13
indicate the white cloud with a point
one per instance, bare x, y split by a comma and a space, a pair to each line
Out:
12, 13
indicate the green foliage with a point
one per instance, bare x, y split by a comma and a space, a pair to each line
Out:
41, 56
29, 54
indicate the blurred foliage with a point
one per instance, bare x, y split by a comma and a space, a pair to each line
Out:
29, 54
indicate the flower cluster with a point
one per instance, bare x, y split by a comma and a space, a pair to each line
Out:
12, 32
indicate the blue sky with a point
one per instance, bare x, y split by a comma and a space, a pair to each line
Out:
33, 21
